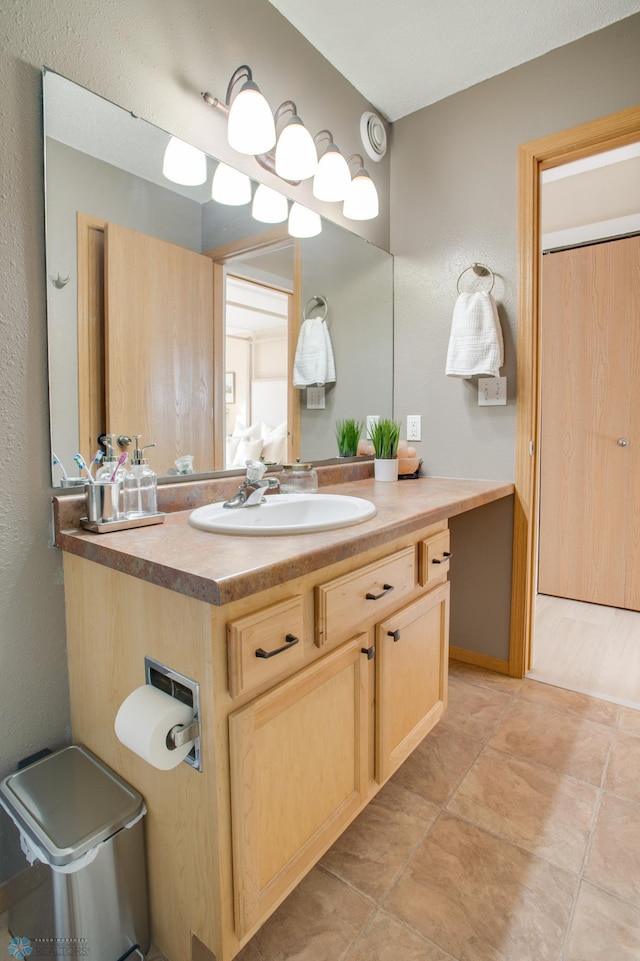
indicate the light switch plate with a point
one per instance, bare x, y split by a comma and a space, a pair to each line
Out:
315, 398
492, 391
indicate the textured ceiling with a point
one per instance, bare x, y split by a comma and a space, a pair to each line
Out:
402, 55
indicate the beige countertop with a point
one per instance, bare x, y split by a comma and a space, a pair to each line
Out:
220, 568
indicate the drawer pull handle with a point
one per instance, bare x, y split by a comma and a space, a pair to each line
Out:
445, 557
376, 597
291, 639
395, 635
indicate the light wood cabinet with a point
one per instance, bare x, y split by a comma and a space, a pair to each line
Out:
298, 776
293, 745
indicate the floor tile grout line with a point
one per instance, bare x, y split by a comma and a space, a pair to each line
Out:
418, 933
541, 764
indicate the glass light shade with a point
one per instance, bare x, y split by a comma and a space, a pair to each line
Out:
184, 164
269, 206
333, 178
361, 203
304, 222
250, 127
296, 157
230, 187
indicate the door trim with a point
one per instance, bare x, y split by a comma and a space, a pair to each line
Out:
606, 133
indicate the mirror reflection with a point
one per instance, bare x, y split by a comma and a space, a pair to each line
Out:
176, 317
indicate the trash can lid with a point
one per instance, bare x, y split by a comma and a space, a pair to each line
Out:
68, 802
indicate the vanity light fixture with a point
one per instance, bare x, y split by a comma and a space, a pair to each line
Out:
303, 222
333, 177
184, 164
361, 203
269, 206
296, 157
230, 186
251, 128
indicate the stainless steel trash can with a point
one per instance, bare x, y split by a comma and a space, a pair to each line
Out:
81, 826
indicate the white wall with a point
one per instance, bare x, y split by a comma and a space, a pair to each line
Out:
154, 58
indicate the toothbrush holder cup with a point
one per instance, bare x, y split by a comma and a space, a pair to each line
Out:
103, 501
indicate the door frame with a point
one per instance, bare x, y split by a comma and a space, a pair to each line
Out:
605, 133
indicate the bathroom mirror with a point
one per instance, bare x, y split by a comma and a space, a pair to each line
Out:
103, 177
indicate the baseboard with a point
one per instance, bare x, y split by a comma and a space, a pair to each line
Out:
22, 884
497, 664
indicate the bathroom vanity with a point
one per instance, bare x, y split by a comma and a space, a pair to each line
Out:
322, 663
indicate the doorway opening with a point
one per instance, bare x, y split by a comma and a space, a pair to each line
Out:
577, 143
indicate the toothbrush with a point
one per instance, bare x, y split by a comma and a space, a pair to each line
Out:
97, 458
80, 461
121, 460
58, 463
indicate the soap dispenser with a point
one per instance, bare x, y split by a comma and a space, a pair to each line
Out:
110, 461
140, 485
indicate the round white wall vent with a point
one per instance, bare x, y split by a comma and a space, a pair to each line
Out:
373, 134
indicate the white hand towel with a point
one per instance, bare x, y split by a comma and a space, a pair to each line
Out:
475, 344
314, 362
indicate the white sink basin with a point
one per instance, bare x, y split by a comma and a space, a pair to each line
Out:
285, 514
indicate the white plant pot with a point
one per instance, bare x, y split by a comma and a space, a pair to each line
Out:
385, 470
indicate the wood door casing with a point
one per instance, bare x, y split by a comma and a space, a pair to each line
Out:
159, 303
590, 353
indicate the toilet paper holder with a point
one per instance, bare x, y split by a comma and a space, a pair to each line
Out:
183, 689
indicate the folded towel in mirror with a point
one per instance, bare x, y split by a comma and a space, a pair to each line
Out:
314, 362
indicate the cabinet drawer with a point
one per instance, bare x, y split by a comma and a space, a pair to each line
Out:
434, 558
266, 645
353, 602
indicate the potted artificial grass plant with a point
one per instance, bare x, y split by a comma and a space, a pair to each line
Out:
347, 435
385, 436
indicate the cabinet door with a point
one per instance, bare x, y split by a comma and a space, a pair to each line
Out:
412, 649
298, 776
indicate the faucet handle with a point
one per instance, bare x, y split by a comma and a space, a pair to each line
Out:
255, 470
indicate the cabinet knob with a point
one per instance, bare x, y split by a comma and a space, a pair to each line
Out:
369, 651
395, 635
622, 442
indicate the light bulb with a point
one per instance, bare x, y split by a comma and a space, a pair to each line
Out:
296, 157
230, 186
184, 164
269, 206
304, 222
361, 203
332, 179
250, 127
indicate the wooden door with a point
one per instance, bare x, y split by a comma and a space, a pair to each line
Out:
159, 347
590, 424
412, 648
298, 776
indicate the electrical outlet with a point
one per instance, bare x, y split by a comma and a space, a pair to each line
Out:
414, 427
315, 398
371, 420
492, 391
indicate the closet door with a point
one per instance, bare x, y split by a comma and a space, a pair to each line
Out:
159, 346
590, 417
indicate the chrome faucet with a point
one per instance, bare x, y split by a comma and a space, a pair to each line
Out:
251, 491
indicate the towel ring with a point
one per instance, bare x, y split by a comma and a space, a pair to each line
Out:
481, 270
319, 301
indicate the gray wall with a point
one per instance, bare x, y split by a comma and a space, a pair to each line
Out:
454, 197
154, 58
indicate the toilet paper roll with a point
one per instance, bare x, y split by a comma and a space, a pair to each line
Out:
143, 722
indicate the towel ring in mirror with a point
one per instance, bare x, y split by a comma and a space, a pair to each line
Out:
316, 301
481, 270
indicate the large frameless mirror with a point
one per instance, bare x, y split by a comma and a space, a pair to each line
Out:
176, 317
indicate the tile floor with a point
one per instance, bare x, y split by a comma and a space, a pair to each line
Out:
512, 833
